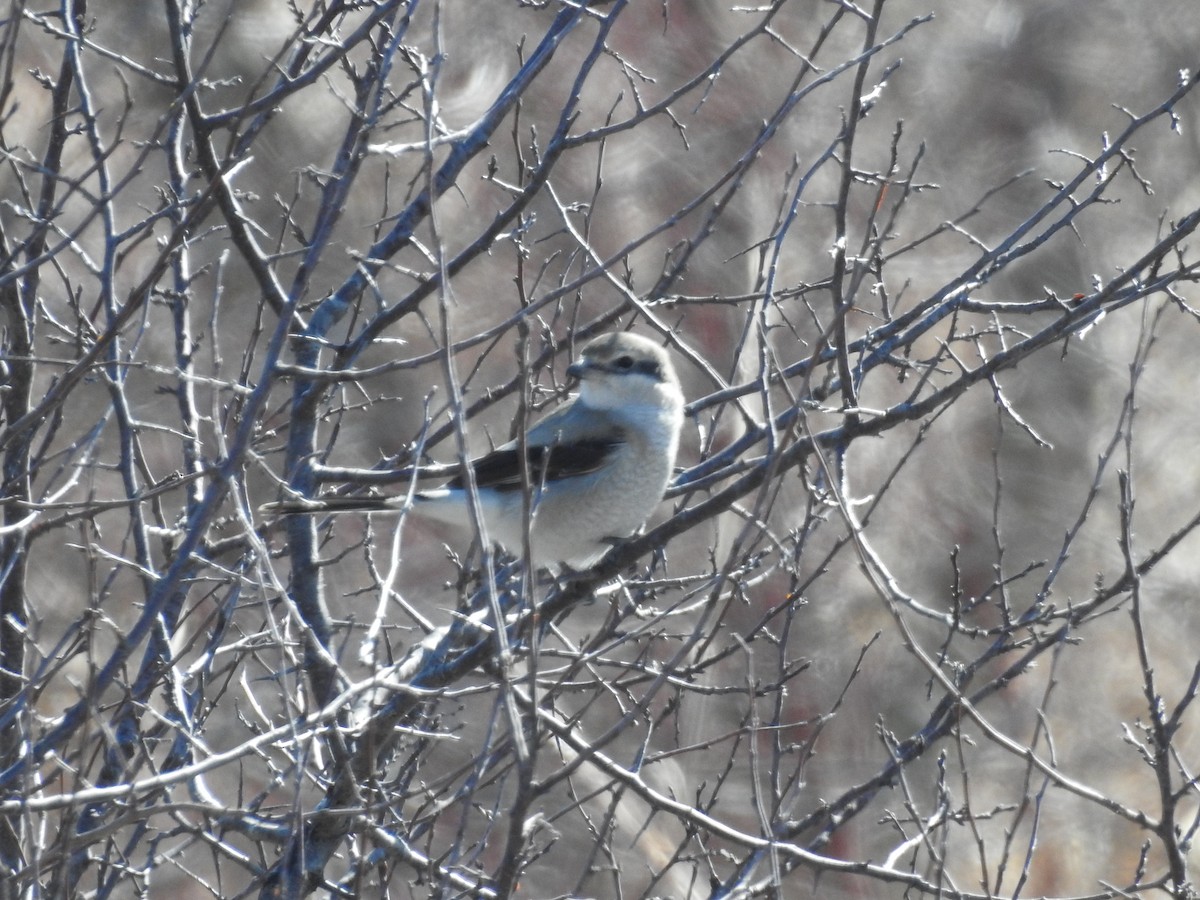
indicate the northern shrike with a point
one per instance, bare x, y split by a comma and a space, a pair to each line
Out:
597, 466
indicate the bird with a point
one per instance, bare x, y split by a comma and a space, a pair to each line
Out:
597, 466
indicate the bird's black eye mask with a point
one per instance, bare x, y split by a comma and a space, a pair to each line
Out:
627, 363
650, 367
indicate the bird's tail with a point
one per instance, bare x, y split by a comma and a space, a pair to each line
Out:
298, 507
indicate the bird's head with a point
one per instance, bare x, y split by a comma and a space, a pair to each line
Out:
621, 370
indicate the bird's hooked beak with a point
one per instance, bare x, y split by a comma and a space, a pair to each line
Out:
578, 369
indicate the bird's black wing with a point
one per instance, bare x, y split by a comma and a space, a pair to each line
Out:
501, 469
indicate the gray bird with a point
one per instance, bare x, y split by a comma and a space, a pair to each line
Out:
598, 465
